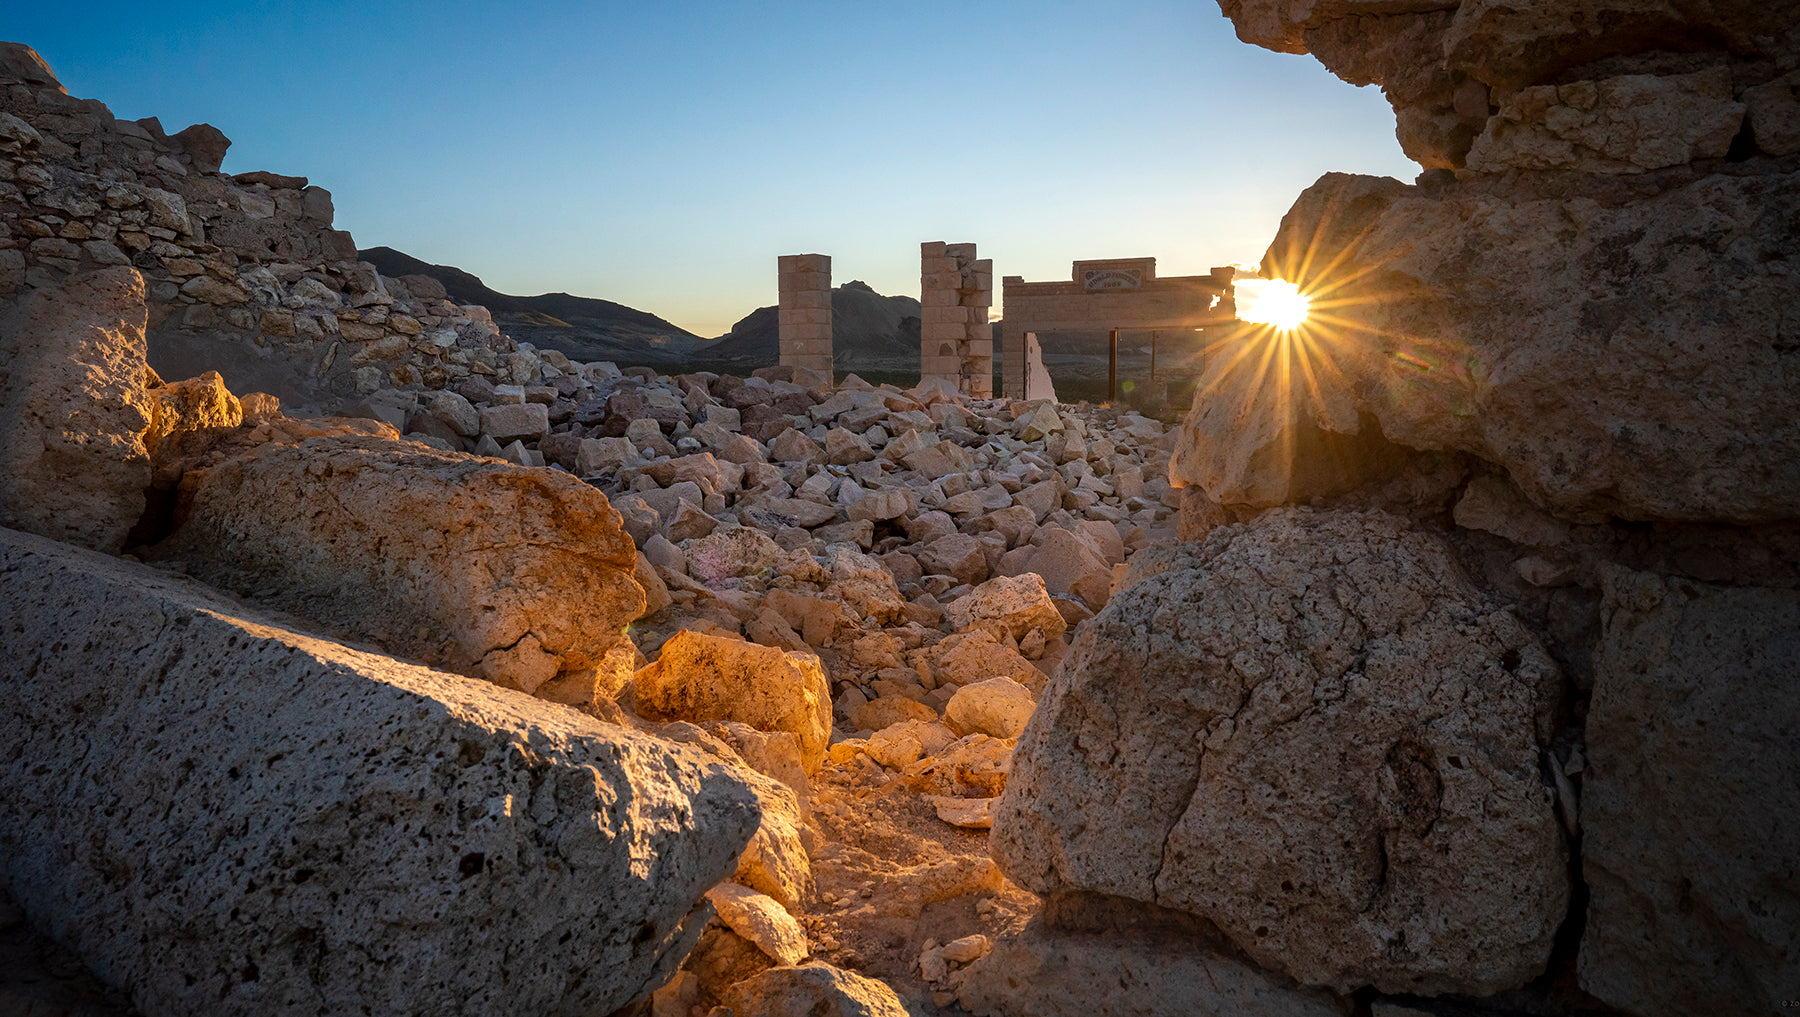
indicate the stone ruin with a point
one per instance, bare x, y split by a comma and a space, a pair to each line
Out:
804, 313
956, 343
1451, 683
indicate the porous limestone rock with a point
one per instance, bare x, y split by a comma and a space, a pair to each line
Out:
1017, 605
760, 920
511, 573
1047, 973
229, 817
706, 677
1614, 357
1626, 124
1690, 808
812, 990
998, 706
73, 412
1598, 300
1319, 737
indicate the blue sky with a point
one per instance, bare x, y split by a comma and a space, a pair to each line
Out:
663, 154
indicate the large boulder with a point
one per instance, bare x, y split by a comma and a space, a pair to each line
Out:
1691, 804
225, 816
1599, 300
1321, 738
1615, 357
73, 413
1444, 64
517, 575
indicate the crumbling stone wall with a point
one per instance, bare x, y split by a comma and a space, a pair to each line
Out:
244, 273
956, 343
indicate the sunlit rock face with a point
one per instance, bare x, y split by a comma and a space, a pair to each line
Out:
1621, 349
513, 574
1599, 299
74, 416
1315, 734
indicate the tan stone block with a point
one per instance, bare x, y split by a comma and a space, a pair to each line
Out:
791, 299
944, 314
938, 297
801, 281
932, 249
931, 266
961, 252
805, 263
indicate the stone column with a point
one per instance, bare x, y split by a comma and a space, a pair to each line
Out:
804, 313
1013, 368
956, 343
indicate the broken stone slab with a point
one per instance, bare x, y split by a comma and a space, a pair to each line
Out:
73, 410
246, 820
513, 574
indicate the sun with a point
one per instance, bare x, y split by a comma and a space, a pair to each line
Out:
1274, 302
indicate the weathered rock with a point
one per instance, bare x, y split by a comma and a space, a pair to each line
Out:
1069, 566
882, 505
1627, 124
703, 677
1618, 357
181, 843
196, 404
760, 920
997, 706
1210, 728
730, 554
73, 411
513, 574
520, 421
959, 556
969, 813
19, 62
1691, 803
1491, 504
886, 711
812, 990
1047, 973
1008, 604
973, 656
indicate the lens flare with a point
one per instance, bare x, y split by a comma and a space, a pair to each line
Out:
1275, 302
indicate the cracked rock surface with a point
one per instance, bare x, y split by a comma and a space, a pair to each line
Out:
1316, 734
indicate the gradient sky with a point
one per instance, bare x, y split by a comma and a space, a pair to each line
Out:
662, 154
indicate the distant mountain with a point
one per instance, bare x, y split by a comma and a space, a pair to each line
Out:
869, 332
584, 328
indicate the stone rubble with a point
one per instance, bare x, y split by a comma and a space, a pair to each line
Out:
1521, 649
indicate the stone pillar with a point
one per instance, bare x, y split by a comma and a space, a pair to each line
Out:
956, 343
1013, 368
804, 313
